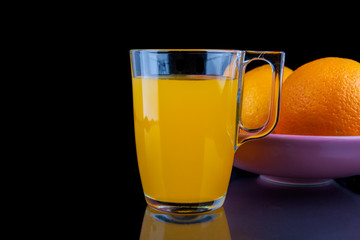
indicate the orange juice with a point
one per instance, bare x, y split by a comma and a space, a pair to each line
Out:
185, 131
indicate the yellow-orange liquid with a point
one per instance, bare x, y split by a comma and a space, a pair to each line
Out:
185, 131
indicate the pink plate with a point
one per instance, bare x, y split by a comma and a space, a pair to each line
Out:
296, 159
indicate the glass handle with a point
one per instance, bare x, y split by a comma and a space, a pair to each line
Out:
276, 61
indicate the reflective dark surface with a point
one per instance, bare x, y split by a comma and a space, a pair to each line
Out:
256, 209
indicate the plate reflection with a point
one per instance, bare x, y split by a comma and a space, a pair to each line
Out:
257, 209
158, 225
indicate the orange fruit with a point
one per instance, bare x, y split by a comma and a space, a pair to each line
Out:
322, 98
257, 94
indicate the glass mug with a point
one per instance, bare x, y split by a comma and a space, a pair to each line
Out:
187, 118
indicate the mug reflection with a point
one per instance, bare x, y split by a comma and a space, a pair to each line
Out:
159, 225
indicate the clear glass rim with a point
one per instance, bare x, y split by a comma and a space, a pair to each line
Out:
201, 51
184, 50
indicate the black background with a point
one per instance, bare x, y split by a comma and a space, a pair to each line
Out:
73, 115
